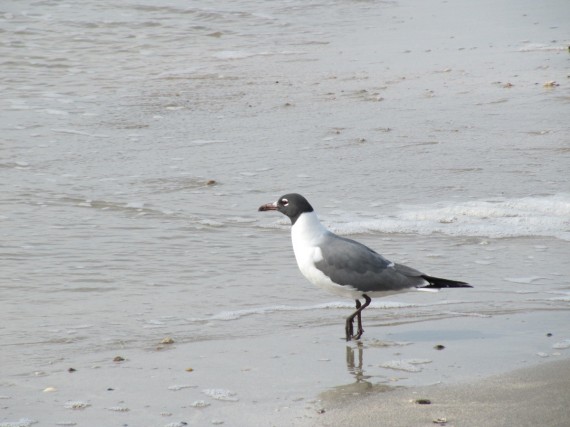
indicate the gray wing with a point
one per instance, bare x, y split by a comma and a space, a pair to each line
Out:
350, 263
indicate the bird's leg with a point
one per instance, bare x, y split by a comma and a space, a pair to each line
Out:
349, 329
359, 314
359, 321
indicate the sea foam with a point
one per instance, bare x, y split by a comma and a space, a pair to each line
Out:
237, 314
547, 216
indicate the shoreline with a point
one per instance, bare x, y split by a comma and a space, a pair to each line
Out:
141, 286
321, 381
531, 396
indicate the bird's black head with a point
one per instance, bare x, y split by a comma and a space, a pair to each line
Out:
292, 205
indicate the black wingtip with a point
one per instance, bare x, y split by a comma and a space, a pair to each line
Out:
438, 283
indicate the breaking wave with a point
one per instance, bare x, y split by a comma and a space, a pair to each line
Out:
547, 216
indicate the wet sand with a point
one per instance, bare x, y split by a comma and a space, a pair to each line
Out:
535, 396
309, 377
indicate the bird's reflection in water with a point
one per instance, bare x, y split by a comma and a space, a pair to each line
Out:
354, 362
362, 385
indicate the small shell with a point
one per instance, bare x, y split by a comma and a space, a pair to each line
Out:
76, 404
178, 387
119, 409
221, 394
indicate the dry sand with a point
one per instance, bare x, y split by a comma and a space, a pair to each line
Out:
534, 396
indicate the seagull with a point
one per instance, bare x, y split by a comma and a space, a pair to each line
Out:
346, 267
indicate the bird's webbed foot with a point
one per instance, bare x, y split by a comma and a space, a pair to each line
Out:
359, 332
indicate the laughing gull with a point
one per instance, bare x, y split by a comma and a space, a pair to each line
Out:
345, 267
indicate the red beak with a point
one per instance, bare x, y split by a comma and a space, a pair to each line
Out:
268, 207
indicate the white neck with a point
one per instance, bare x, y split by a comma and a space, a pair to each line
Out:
307, 230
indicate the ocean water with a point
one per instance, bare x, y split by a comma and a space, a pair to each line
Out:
139, 138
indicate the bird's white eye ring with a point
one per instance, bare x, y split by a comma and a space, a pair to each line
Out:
285, 202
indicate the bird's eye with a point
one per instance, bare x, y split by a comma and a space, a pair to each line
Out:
284, 202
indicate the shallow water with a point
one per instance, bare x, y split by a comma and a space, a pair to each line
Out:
140, 138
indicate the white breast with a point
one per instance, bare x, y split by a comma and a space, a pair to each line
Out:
307, 234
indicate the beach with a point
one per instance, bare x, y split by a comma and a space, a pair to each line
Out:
311, 377
527, 397
140, 286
